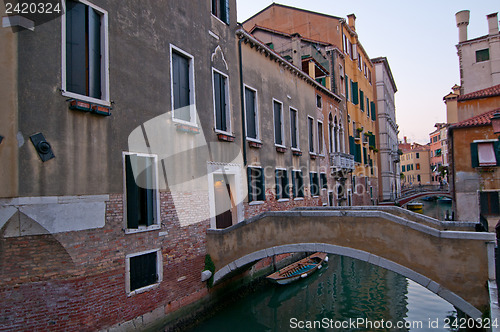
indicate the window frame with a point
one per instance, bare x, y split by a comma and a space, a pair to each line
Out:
310, 135
314, 176
104, 35
156, 200
261, 182
282, 128
483, 57
256, 111
297, 140
284, 194
320, 138
192, 90
297, 191
217, 15
159, 271
229, 129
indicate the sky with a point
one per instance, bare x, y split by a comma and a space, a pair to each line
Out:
419, 40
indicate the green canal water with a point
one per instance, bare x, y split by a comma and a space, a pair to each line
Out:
345, 295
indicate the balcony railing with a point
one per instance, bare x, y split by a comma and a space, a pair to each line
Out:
342, 160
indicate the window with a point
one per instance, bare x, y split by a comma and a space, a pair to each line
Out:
294, 129
314, 182
282, 189
278, 123
251, 113
484, 153
318, 101
341, 71
182, 84
417, 166
220, 9
221, 102
324, 181
143, 270
297, 184
483, 55
403, 169
320, 137
354, 93
360, 60
141, 192
256, 186
367, 107
362, 100
347, 88
373, 110
85, 52
417, 155
310, 127
488, 201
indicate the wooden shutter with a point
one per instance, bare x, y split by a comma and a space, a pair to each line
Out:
286, 189
352, 149
250, 187
76, 77
311, 135
220, 101
300, 184
250, 113
362, 100
262, 185
346, 88
474, 155
94, 53
132, 192
180, 78
294, 184
373, 111
496, 147
355, 97
149, 199
278, 139
293, 125
225, 10
277, 181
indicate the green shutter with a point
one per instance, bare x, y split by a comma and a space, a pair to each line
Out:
346, 88
354, 93
249, 179
76, 44
225, 10
496, 146
362, 100
473, 155
373, 111
357, 156
294, 187
286, 188
277, 182
262, 194
365, 156
94, 32
132, 193
352, 150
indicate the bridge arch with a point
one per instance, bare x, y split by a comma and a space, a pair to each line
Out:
448, 258
405, 200
420, 279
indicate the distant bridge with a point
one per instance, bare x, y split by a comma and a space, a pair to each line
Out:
413, 193
448, 258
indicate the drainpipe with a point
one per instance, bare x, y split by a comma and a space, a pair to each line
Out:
242, 95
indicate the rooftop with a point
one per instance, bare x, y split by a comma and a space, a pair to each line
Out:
488, 92
476, 121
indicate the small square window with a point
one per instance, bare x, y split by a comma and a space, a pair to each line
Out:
143, 270
483, 55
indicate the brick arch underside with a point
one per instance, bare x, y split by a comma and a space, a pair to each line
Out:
422, 280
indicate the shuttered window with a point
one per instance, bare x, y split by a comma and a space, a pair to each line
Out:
282, 188
143, 270
362, 100
373, 111
84, 52
256, 185
294, 129
324, 183
251, 113
320, 137
220, 8
484, 154
354, 93
221, 102
489, 204
278, 123
181, 86
314, 184
311, 134
297, 184
483, 55
141, 192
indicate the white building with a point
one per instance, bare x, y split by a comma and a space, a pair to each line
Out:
479, 58
389, 170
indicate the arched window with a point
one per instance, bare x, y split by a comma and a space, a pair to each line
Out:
336, 135
330, 132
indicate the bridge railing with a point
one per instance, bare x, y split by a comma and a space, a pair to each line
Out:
423, 188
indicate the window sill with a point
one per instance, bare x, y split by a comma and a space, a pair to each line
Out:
184, 122
225, 137
313, 155
187, 128
296, 152
256, 203
143, 289
86, 106
86, 98
298, 199
142, 229
280, 149
284, 200
254, 144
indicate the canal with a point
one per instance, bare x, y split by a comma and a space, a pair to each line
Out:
345, 295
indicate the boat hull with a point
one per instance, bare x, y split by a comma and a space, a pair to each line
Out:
299, 270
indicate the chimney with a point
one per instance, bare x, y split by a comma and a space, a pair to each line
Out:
456, 89
492, 24
405, 140
462, 23
352, 21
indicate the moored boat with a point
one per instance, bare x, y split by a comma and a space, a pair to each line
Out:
299, 269
415, 207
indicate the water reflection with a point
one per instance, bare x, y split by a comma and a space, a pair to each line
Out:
346, 289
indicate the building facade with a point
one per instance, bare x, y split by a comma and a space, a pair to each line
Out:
388, 170
415, 165
479, 58
353, 78
437, 154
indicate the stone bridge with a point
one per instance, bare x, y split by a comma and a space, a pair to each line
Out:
448, 258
